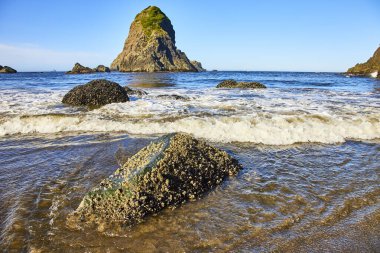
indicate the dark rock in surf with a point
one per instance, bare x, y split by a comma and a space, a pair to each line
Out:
168, 172
7, 70
102, 68
135, 92
96, 93
173, 97
79, 69
240, 85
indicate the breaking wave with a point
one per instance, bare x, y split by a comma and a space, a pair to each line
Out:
266, 129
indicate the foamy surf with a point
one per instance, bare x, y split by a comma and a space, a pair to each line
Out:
266, 128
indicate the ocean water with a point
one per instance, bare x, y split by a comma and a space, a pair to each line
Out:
309, 145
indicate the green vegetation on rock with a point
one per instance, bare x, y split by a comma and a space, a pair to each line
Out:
153, 19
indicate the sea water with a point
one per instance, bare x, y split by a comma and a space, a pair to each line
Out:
309, 145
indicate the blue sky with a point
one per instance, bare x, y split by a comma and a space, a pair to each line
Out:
292, 35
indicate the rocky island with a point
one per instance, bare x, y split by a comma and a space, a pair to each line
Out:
370, 68
150, 46
80, 69
7, 70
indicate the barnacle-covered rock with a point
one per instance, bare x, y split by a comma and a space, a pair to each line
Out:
167, 172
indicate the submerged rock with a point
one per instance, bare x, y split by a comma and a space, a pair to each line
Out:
96, 93
102, 68
150, 46
79, 69
198, 66
370, 68
7, 70
135, 92
167, 172
240, 85
173, 97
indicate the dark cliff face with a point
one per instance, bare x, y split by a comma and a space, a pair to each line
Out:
150, 46
370, 66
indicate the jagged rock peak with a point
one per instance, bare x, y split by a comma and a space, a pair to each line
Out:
150, 46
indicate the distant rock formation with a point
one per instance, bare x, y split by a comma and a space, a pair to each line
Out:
79, 69
168, 172
150, 46
95, 94
102, 68
240, 85
198, 66
370, 68
7, 70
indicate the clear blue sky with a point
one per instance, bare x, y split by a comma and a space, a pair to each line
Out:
290, 35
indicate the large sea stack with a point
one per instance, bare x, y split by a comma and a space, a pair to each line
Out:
369, 68
166, 173
150, 46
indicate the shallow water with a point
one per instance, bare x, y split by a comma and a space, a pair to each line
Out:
309, 146
299, 198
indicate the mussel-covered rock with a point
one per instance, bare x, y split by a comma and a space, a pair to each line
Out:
96, 93
166, 173
240, 85
173, 97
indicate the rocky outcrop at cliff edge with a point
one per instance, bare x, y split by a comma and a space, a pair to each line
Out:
240, 85
198, 66
369, 68
79, 69
7, 70
150, 46
166, 173
95, 94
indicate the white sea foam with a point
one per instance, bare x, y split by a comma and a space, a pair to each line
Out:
266, 129
374, 74
272, 116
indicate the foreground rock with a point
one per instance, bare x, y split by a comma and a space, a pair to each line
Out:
102, 68
79, 69
370, 68
198, 66
7, 70
240, 85
135, 92
168, 172
150, 46
96, 93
